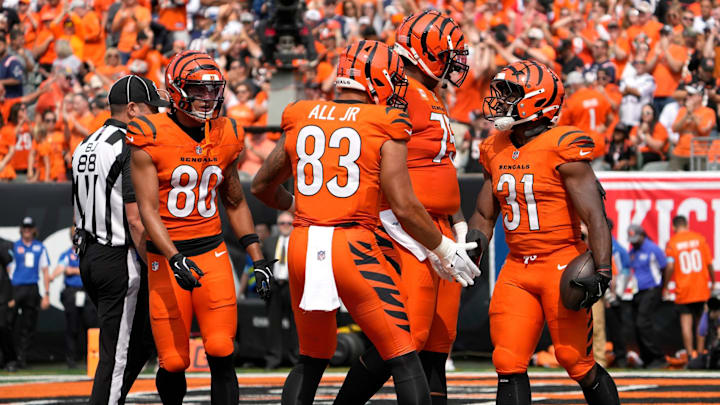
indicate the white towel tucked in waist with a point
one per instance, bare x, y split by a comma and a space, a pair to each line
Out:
320, 292
394, 229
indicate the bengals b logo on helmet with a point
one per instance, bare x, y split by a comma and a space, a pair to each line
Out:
373, 67
195, 84
435, 43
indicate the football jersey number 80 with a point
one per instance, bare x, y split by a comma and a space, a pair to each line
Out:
313, 159
188, 190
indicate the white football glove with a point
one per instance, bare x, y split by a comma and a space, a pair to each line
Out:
438, 267
455, 261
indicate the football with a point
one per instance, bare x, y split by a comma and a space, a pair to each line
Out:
580, 267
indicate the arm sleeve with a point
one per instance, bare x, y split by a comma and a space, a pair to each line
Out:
128, 192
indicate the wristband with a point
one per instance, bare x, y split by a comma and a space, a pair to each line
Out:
249, 239
604, 268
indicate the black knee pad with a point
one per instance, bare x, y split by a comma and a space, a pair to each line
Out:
434, 366
513, 389
303, 380
601, 389
171, 386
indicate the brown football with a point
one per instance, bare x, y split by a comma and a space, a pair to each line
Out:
580, 267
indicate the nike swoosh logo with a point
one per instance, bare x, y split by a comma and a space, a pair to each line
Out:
409, 131
218, 254
583, 153
130, 138
561, 267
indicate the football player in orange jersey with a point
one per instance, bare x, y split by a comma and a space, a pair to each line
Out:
433, 49
343, 154
181, 160
689, 252
538, 177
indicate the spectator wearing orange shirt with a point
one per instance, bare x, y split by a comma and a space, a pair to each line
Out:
92, 33
666, 62
588, 108
60, 84
257, 149
80, 122
112, 70
148, 57
7, 149
28, 22
21, 127
693, 120
650, 137
645, 24
469, 97
244, 111
49, 151
172, 14
130, 19
44, 47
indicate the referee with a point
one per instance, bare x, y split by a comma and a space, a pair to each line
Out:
110, 241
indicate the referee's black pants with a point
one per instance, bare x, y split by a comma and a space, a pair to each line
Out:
116, 282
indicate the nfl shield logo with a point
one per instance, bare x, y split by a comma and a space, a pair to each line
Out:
516, 154
198, 150
321, 255
155, 266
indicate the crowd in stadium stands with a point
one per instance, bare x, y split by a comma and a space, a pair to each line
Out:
641, 77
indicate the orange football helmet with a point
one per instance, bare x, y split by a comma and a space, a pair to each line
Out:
434, 42
193, 76
373, 67
523, 91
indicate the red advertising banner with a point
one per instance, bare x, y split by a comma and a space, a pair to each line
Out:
653, 199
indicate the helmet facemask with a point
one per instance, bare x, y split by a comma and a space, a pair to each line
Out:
503, 100
208, 92
456, 67
399, 85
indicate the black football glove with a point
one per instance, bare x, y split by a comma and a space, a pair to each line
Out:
263, 277
474, 235
594, 286
183, 268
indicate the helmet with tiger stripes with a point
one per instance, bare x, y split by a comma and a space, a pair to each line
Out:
523, 91
195, 85
435, 43
373, 67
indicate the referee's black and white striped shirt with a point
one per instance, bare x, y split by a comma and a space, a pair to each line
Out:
102, 185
